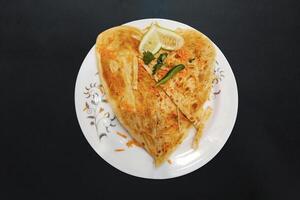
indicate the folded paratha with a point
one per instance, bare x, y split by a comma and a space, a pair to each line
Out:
190, 88
145, 110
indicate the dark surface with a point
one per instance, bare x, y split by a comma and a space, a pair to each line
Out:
44, 153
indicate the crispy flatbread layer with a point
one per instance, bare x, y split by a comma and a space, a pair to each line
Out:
190, 88
145, 110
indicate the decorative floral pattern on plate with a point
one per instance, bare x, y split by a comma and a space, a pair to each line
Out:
98, 116
219, 75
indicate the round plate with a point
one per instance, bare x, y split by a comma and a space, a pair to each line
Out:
109, 139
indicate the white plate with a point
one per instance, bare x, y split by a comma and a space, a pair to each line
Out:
99, 124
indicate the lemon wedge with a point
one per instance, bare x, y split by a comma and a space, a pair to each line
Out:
150, 41
158, 37
169, 39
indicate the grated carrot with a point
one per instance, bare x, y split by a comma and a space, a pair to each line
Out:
131, 143
121, 134
118, 150
182, 53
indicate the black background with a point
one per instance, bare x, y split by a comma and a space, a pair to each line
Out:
44, 153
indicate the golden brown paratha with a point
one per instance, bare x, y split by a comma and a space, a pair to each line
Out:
145, 110
190, 88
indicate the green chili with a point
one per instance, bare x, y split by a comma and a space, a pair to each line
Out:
170, 74
159, 62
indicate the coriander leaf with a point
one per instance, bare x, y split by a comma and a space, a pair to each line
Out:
162, 57
147, 57
156, 67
